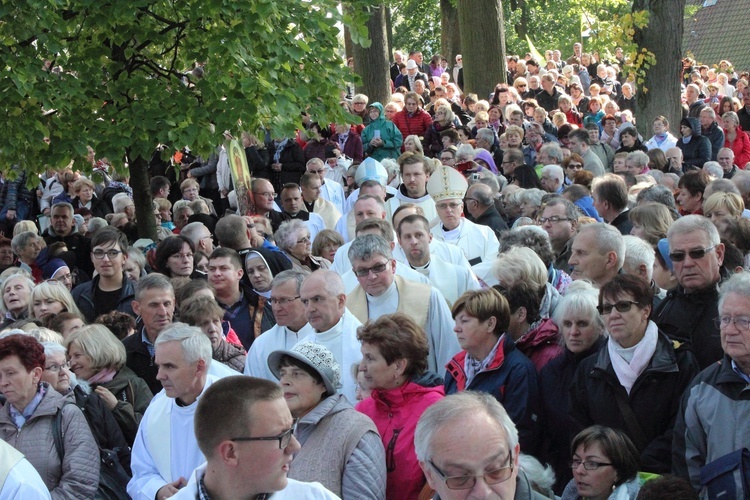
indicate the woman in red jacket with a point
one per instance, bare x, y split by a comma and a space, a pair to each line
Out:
412, 120
736, 139
394, 365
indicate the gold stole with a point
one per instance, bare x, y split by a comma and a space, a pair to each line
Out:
415, 296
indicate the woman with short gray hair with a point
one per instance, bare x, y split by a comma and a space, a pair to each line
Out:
293, 238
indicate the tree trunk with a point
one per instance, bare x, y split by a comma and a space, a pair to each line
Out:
144, 209
659, 94
372, 63
389, 31
483, 45
450, 35
348, 50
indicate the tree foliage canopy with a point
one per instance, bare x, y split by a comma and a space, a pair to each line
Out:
123, 83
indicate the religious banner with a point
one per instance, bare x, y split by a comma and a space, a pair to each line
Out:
241, 178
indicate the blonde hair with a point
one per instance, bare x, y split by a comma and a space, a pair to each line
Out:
23, 226
520, 264
416, 141
100, 345
731, 202
55, 291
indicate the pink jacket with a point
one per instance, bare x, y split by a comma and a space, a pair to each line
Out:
395, 413
541, 344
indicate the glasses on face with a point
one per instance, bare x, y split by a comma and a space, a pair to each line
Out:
694, 254
317, 172
588, 464
446, 158
622, 306
575, 166
100, 254
468, 481
306, 239
267, 194
739, 322
553, 220
274, 301
64, 278
55, 368
452, 206
284, 438
377, 269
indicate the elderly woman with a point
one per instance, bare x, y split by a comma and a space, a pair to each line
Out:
51, 298
135, 264
28, 417
97, 357
582, 334
605, 465
86, 198
26, 246
101, 421
57, 271
636, 382
723, 206
293, 238
341, 447
174, 257
207, 315
16, 294
489, 361
326, 243
190, 189
650, 222
394, 365
736, 139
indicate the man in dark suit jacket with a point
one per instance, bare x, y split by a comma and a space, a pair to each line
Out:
480, 205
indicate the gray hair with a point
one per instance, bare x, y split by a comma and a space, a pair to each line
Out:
120, 202
742, 181
493, 182
22, 240
153, 281
54, 348
608, 239
486, 134
708, 110
639, 157
720, 185
714, 169
659, 194
554, 151
738, 283
287, 233
368, 245
465, 152
555, 171
638, 252
296, 275
63, 204
334, 285
137, 256
452, 410
532, 196
571, 210
540, 478
690, 223
192, 231
581, 299
195, 343
483, 195
390, 166
731, 115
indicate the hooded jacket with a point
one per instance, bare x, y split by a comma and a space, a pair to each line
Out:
511, 379
389, 134
541, 344
697, 150
395, 413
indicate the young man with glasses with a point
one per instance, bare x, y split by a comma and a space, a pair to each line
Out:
110, 290
249, 455
166, 451
688, 314
560, 221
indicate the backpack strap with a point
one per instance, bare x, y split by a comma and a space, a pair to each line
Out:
57, 432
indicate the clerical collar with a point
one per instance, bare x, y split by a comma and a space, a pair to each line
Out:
425, 270
309, 206
384, 297
453, 233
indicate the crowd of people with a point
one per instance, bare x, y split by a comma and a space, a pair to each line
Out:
515, 296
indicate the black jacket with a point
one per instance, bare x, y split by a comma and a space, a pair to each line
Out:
547, 101
292, 161
83, 295
689, 318
492, 219
697, 151
140, 361
715, 136
622, 223
558, 427
654, 399
77, 244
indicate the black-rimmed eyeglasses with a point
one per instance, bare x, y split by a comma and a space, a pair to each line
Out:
284, 438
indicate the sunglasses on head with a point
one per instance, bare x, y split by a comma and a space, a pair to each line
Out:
694, 254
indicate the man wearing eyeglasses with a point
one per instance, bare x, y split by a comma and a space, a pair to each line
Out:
560, 221
480, 203
165, 451
110, 290
291, 324
381, 291
448, 187
248, 456
467, 447
264, 195
330, 190
687, 314
714, 417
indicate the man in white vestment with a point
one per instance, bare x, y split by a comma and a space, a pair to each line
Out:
248, 455
415, 171
313, 202
448, 186
330, 190
291, 324
380, 292
414, 237
165, 451
322, 294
